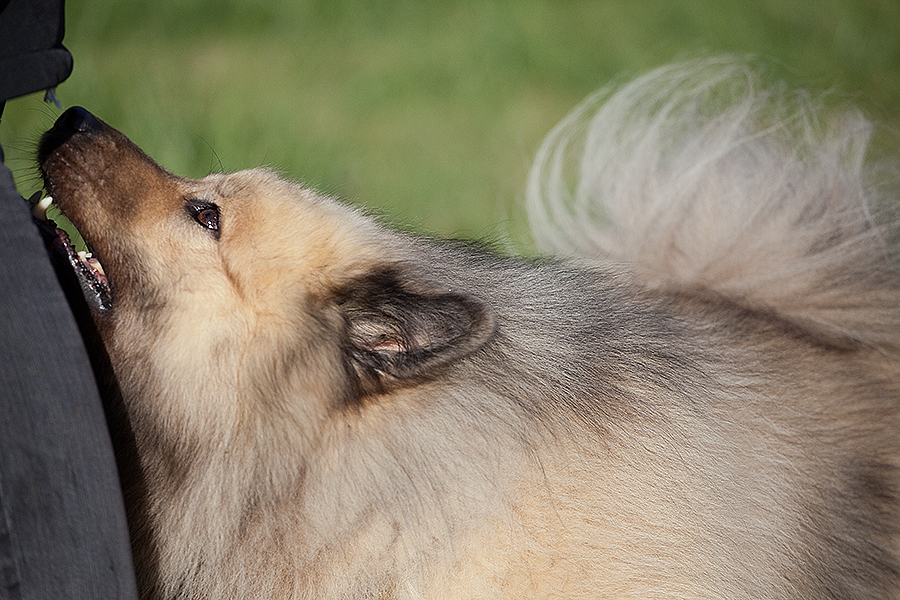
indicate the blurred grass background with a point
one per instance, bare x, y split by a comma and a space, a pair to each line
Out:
427, 111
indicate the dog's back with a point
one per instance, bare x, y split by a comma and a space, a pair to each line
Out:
759, 228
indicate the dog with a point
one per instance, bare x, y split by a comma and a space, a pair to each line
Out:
693, 393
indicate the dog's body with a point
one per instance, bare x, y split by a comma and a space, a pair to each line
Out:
325, 408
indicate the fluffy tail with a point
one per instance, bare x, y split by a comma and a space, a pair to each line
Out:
698, 177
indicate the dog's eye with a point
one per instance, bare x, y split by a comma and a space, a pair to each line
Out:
205, 213
209, 218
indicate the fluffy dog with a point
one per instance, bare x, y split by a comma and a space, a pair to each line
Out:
698, 399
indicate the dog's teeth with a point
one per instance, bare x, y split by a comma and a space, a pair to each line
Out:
39, 210
92, 263
88, 260
97, 266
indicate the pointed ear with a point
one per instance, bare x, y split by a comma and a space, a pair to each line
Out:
399, 332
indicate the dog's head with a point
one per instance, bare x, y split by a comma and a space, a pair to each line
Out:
230, 270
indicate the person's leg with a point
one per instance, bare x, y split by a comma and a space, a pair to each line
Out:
62, 523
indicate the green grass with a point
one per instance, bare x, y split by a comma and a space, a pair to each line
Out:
429, 112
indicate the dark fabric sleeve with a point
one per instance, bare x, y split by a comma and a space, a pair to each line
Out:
32, 57
63, 532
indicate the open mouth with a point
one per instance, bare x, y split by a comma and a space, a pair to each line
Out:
88, 270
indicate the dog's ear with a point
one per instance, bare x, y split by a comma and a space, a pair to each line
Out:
398, 332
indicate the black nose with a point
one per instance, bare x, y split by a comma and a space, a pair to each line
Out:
75, 120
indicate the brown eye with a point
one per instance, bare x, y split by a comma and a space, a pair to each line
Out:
209, 218
205, 213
